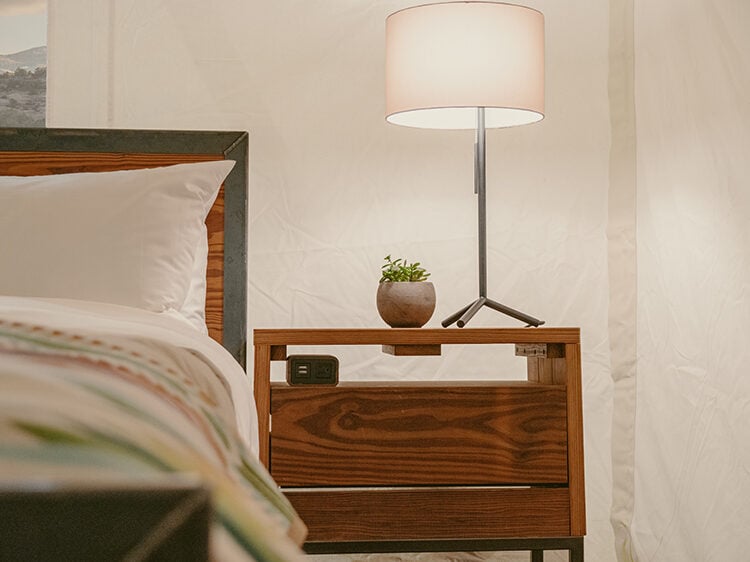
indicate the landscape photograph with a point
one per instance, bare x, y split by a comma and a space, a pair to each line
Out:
23, 63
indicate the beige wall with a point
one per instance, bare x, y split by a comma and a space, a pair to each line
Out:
692, 478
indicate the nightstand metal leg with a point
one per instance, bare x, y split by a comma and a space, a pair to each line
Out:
537, 546
575, 552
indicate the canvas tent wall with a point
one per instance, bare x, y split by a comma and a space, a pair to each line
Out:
623, 212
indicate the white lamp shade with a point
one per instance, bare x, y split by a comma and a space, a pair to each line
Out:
445, 60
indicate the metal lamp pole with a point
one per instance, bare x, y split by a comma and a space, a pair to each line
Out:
462, 317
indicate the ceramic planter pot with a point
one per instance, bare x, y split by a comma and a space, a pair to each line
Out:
406, 304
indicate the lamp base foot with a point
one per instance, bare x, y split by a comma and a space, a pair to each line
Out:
462, 317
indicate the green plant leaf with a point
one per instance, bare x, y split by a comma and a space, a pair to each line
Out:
400, 270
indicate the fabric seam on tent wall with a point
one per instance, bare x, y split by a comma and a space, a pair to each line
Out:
111, 63
622, 255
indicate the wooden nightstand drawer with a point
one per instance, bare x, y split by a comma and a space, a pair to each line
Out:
364, 434
426, 513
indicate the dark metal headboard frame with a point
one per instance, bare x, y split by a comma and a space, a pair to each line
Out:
232, 144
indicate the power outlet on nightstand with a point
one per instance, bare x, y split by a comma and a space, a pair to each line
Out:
312, 369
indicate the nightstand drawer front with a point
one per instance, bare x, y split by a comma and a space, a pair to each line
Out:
432, 513
358, 435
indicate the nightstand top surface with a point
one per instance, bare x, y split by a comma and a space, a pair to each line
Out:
395, 336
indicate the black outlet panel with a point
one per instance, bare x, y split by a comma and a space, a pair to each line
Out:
312, 369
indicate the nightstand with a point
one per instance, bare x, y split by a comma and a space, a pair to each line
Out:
430, 466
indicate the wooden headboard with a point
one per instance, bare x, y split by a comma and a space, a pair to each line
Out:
27, 152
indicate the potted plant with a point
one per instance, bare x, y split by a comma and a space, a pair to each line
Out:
405, 298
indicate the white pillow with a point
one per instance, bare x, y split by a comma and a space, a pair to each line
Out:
194, 308
126, 237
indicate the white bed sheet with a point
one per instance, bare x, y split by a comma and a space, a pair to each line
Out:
166, 327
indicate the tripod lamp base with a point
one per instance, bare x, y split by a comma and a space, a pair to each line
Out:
462, 317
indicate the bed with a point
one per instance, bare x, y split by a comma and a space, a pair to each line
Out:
127, 425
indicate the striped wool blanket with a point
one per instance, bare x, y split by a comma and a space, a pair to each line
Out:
78, 406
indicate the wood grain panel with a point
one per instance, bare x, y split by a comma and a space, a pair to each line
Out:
215, 269
431, 513
417, 336
411, 350
262, 393
46, 163
575, 441
362, 434
547, 371
278, 353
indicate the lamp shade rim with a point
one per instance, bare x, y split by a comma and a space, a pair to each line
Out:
426, 4
463, 118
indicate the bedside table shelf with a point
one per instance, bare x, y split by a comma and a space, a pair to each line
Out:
378, 466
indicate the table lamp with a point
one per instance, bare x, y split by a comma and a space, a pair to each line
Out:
467, 65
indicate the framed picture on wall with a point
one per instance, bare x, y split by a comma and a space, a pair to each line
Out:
23, 63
